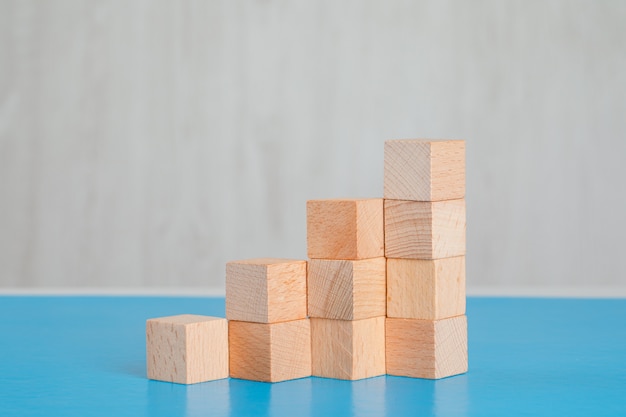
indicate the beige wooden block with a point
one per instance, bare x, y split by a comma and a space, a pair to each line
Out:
187, 348
270, 352
345, 289
345, 349
345, 229
266, 290
426, 289
424, 230
426, 348
424, 170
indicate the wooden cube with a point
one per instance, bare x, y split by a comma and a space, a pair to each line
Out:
187, 349
351, 350
424, 230
426, 289
345, 229
266, 290
347, 290
424, 170
270, 352
430, 349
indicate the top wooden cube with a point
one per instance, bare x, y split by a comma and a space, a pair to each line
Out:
424, 170
266, 290
345, 229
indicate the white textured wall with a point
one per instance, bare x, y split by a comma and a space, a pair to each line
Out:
145, 143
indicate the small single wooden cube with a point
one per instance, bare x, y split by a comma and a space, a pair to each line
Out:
430, 349
343, 349
266, 290
424, 230
426, 289
424, 170
270, 352
187, 348
345, 229
345, 289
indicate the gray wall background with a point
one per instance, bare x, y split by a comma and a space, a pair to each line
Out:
146, 143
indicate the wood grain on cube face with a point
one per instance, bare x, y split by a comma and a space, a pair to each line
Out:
344, 349
332, 353
424, 170
287, 282
266, 290
430, 349
246, 291
424, 230
345, 289
165, 344
426, 289
187, 348
370, 228
207, 350
447, 170
291, 350
271, 352
369, 347
250, 348
330, 289
345, 229
331, 229
407, 170
369, 288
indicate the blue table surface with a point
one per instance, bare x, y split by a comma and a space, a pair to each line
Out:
85, 356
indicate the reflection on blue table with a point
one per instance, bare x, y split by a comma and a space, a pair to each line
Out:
311, 397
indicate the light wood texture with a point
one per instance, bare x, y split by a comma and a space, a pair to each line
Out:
266, 290
270, 352
345, 229
426, 348
347, 290
424, 170
424, 230
426, 289
187, 348
344, 349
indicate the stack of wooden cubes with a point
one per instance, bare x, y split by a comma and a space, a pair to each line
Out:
425, 250
346, 287
383, 290
268, 330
